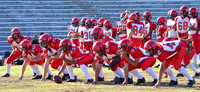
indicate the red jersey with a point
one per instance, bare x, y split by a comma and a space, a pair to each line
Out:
149, 26
121, 27
73, 29
166, 50
105, 39
16, 44
163, 30
111, 49
137, 28
181, 24
54, 47
112, 32
75, 53
35, 50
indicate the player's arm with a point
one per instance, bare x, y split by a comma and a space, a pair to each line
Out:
57, 56
67, 60
97, 71
37, 58
130, 33
132, 62
125, 74
160, 74
23, 68
63, 68
123, 20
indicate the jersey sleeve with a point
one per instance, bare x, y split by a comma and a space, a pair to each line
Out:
10, 39
161, 55
36, 49
69, 29
27, 38
153, 26
161, 28
134, 52
175, 28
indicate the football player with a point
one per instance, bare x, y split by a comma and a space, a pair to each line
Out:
121, 28
109, 30
162, 28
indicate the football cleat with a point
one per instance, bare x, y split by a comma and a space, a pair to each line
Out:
50, 77
100, 79
196, 75
154, 82
172, 83
6, 75
190, 83
140, 81
89, 81
37, 77
130, 81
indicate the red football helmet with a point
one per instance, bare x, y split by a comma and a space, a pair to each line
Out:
94, 21
161, 20
88, 23
122, 15
25, 45
66, 43
138, 15
98, 47
172, 11
75, 20
107, 23
149, 45
147, 15
125, 44
45, 40
133, 16
168, 39
83, 19
15, 31
101, 21
97, 33
194, 11
183, 9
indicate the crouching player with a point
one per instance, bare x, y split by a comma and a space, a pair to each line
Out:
108, 52
75, 55
32, 54
169, 53
134, 58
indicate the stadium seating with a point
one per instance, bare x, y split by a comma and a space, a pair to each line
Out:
54, 16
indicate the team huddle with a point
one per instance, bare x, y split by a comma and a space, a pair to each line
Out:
94, 43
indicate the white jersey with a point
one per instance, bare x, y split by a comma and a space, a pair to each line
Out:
80, 29
171, 28
121, 27
194, 23
182, 24
87, 35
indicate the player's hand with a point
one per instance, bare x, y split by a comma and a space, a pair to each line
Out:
191, 28
125, 83
144, 40
94, 82
20, 78
43, 79
124, 53
157, 85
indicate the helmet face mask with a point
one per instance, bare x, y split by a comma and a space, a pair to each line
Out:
15, 36
95, 36
82, 23
172, 16
147, 17
192, 14
43, 44
75, 24
185, 13
63, 48
88, 24
150, 52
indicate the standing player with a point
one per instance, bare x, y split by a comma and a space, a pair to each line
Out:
14, 39
149, 27
109, 30
136, 57
194, 32
162, 29
121, 28
94, 22
181, 23
74, 55
169, 53
51, 52
87, 37
73, 31
135, 30
171, 24
82, 27
32, 54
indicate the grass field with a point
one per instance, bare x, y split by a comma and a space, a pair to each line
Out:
11, 84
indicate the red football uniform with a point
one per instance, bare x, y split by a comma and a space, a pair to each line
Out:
144, 62
171, 29
78, 54
172, 52
73, 29
16, 48
105, 39
137, 28
121, 27
163, 30
112, 32
111, 49
88, 40
35, 50
148, 26
195, 35
181, 25
52, 52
